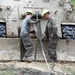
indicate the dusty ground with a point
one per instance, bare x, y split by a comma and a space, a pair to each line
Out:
34, 68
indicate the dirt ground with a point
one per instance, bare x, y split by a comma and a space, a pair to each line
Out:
35, 68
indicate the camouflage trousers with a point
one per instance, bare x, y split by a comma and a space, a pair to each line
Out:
27, 43
52, 47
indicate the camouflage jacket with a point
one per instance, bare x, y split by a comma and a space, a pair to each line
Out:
51, 28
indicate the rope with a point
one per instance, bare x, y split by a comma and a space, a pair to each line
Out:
44, 55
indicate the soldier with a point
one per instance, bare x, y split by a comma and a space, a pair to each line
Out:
51, 34
25, 38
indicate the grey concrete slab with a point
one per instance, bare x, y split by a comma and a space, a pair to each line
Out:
66, 50
12, 49
9, 49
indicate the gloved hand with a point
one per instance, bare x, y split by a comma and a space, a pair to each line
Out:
43, 36
37, 21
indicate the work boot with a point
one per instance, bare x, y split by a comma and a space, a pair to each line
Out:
52, 59
28, 59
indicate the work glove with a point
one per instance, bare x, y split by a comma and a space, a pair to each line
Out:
43, 36
37, 21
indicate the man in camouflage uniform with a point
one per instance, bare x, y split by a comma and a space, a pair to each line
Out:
51, 34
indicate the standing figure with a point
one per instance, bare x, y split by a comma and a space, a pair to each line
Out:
24, 35
51, 34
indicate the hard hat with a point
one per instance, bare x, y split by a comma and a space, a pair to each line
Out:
29, 11
45, 11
